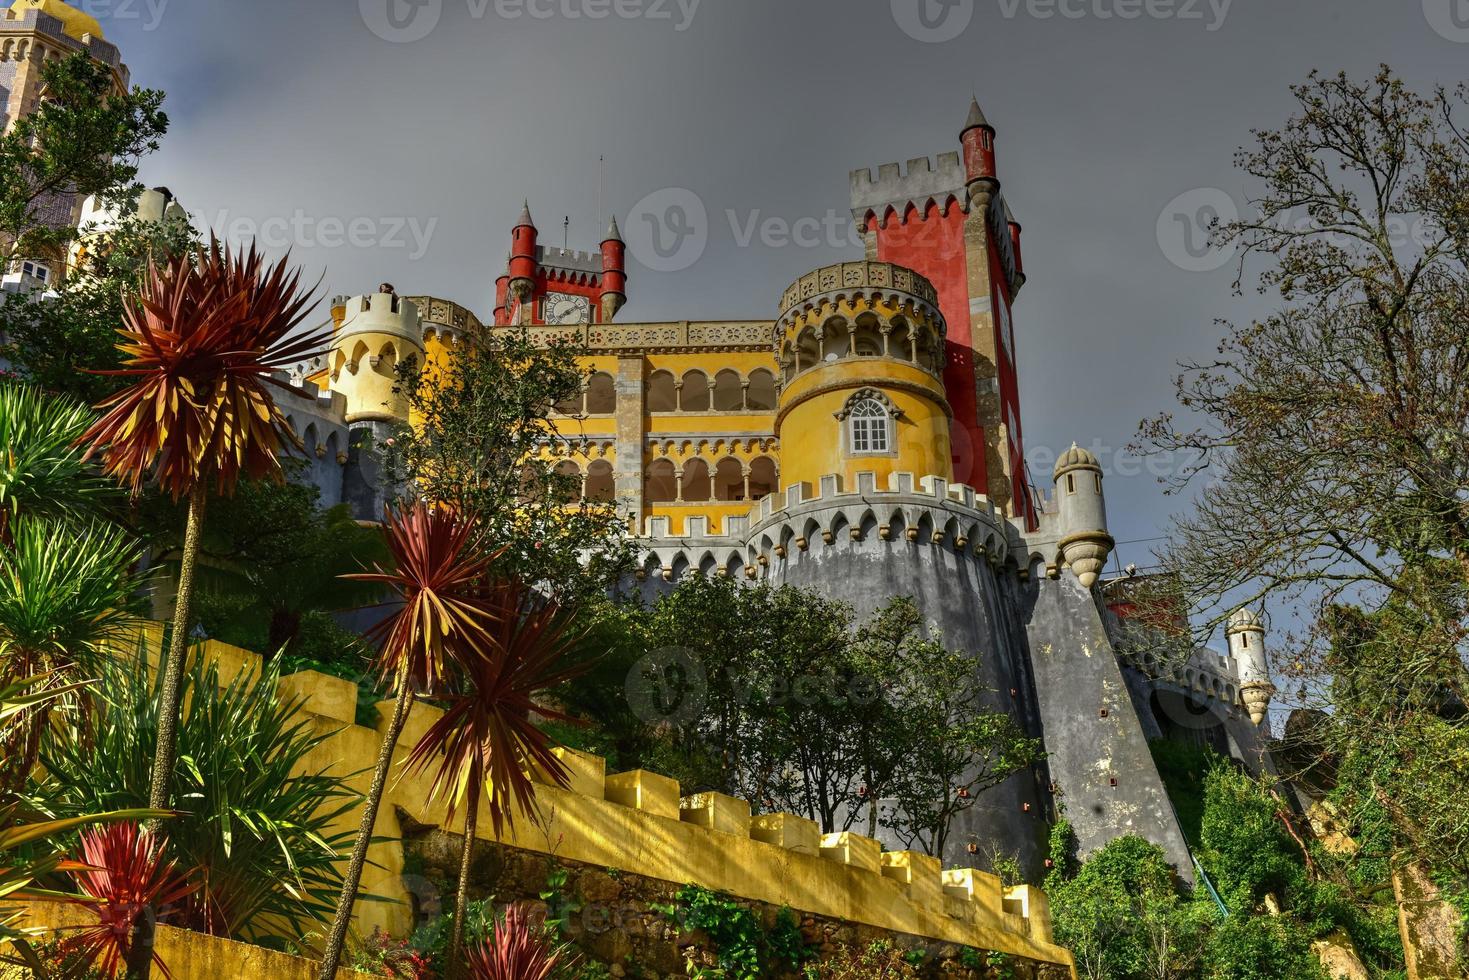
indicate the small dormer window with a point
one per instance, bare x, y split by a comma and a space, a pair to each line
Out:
36, 271
869, 421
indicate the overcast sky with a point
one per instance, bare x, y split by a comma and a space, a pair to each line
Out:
415, 128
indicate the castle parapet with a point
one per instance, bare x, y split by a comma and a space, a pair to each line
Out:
923, 511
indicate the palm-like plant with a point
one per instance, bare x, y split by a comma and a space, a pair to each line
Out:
66, 598
516, 951
201, 338
19, 870
122, 874
486, 743
41, 470
439, 575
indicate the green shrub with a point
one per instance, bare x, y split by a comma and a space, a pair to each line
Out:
254, 830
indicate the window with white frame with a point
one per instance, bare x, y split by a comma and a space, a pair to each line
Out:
869, 421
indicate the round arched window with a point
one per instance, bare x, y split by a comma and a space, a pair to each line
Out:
868, 419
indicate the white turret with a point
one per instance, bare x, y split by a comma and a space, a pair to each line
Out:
1085, 543
376, 334
1247, 646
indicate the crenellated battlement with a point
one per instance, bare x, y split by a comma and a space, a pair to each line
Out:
569, 259
39, 22
926, 182
925, 511
641, 823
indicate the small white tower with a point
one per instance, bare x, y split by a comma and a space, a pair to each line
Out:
1085, 543
1247, 645
377, 333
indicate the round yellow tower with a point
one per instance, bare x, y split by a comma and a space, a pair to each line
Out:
375, 335
861, 353
77, 23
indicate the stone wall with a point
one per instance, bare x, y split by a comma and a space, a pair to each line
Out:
614, 918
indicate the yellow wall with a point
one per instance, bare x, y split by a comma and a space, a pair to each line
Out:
639, 822
812, 439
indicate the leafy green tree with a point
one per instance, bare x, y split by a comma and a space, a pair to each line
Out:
778, 696
60, 337
1124, 915
67, 599
950, 744
41, 468
1335, 430
272, 560
255, 828
84, 138
480, 426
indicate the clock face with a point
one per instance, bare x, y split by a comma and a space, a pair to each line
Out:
565, 308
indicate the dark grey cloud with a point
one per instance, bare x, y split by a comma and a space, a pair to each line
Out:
299, 118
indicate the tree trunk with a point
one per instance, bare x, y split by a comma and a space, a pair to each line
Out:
140, 952
461, 898
332, 955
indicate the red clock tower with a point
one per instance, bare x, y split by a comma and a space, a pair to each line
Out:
544, 285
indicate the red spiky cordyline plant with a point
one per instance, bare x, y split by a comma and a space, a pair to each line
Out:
440, 574
124, 877
516, 951
486, 742
201, 338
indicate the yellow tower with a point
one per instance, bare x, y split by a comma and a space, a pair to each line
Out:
861, 352
373, 336
76, 23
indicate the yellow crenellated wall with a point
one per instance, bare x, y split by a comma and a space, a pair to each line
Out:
640, 823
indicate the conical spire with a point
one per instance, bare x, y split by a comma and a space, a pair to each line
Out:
525, 215
613, 233
976, 117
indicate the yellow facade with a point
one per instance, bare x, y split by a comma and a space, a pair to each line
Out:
703, 419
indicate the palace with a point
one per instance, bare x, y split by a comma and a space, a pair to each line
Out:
865, 441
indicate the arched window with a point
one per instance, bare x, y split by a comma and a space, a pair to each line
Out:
729, 392
571, 479
761, 395
660, 482
764, 479
662, 396
729, 480
601, 394
601, 484
694, 394
868, 421
696, 484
